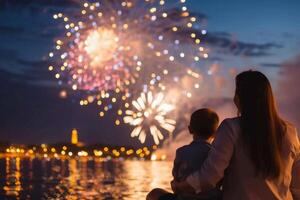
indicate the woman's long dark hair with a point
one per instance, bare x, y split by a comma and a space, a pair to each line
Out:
262, 128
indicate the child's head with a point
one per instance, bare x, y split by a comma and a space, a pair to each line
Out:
204, 123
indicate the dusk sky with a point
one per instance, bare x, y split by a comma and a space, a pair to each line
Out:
260, 34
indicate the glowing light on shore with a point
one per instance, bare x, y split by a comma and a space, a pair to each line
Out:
84, 152
153, 157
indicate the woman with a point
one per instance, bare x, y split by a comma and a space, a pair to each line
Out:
256, 153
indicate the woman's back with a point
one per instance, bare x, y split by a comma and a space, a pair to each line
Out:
254, 153
240, 179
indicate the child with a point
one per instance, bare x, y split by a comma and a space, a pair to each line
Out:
189, 158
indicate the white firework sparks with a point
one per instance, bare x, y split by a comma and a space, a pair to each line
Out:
150, 116
109, 48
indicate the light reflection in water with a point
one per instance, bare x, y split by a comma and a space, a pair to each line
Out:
141, 177
13, 174
81, 179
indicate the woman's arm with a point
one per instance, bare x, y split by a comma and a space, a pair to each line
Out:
295, 184
212, 171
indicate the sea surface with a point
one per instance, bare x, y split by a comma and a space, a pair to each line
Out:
25, 178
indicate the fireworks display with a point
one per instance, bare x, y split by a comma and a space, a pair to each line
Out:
150, 113
137, 56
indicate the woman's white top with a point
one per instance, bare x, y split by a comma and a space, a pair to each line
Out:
227, 159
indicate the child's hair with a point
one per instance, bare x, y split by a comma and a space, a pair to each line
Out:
204, 123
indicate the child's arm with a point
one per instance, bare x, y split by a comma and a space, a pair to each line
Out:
176, 170
176, 164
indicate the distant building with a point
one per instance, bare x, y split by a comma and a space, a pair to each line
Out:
74, 137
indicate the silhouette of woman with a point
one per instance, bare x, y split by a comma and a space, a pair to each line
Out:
256, 153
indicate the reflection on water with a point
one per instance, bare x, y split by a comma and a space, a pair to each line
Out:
80, 179
13, 174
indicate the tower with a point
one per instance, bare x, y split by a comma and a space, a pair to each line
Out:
74, 137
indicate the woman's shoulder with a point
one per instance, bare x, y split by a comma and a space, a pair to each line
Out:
231, 122
232, 119
291, 129
290, 125
231, 127
292, 136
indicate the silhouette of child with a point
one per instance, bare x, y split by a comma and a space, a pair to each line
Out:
189, 158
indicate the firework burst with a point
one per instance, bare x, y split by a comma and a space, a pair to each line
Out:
150, 117
113, 50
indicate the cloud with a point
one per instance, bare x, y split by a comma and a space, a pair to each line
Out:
227, 44
8, 53
32, 33
34, 66
288, 90
36, 72
4, 29
270, 64
11, 62
33, 72
216, 58
223, 42
8, 59
37, 3
33, 63
4, 74
176, 14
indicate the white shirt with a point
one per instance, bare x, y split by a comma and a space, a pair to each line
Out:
228, 160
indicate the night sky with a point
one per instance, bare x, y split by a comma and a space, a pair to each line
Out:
260, 34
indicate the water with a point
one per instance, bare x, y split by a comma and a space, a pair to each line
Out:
24, 178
